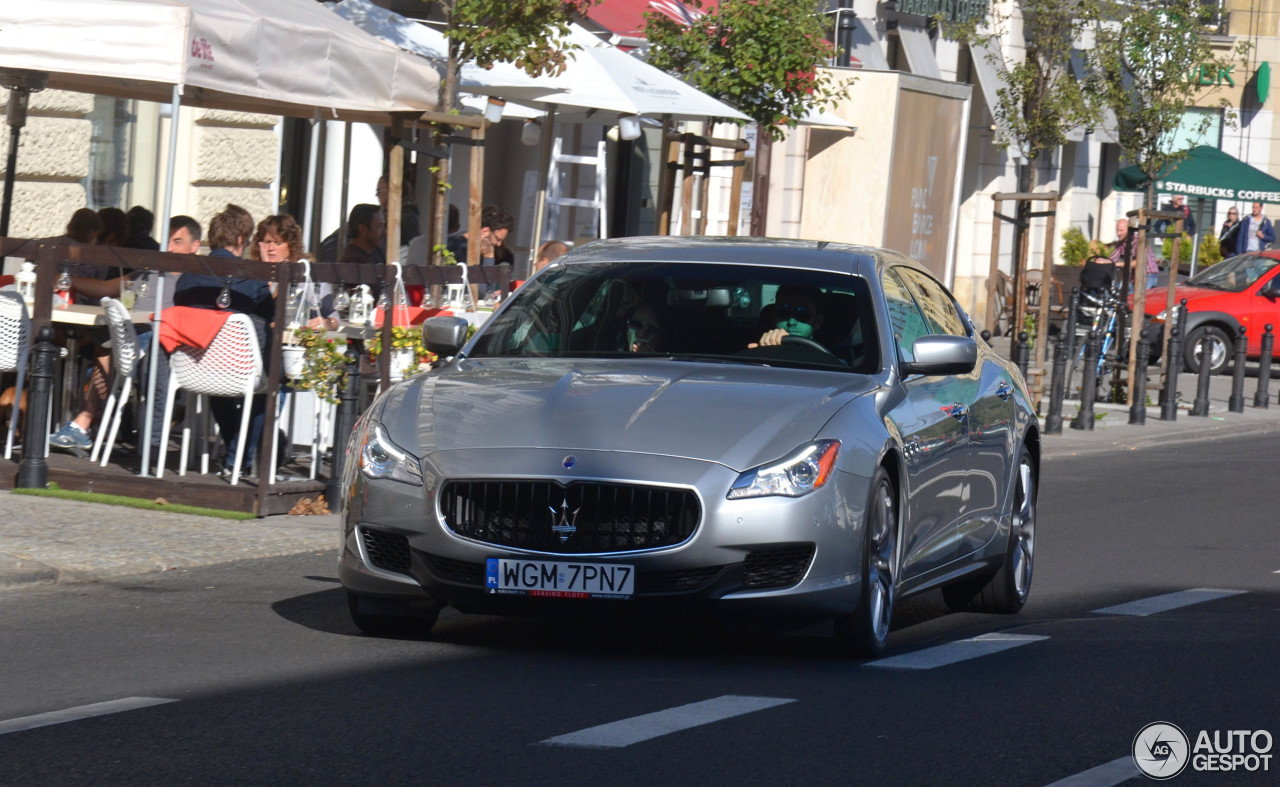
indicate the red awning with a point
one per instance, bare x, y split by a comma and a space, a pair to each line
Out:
626, 17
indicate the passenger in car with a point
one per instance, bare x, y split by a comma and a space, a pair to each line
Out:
644, 332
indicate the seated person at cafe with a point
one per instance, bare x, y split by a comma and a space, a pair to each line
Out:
365, 229
184, 238
141, 222
115, 227
230, 233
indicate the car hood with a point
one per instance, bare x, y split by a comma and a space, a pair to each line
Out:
736, 415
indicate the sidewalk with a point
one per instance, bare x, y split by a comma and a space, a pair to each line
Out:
48, 540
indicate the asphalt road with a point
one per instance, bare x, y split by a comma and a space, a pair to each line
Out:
269, 682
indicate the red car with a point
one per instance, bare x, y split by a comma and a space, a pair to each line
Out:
1241, 291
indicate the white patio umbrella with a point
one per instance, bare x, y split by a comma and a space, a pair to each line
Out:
606, 84
288, 57
503, 80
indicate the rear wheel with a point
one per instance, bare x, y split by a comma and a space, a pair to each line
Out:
385, 618
1007, 590
1213, 340
865, 632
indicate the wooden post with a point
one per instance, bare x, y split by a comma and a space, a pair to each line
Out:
667, 176
1020, 266
735, 191
475, 204
704, 192
993, 305
1046, 293
395, 192
686, 190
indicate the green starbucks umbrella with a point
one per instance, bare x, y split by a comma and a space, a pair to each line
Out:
1207, 173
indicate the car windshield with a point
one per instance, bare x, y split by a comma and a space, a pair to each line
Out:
712, 312
1234, 275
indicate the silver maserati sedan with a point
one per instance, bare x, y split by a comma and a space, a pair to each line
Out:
789, 432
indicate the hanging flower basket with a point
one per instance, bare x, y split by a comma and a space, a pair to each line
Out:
293, 357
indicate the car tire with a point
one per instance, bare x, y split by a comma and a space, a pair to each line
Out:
1220, 349
865, 632
1007, 590
391, 619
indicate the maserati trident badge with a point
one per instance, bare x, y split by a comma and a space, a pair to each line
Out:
562, 521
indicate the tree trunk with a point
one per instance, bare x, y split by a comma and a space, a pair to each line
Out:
440, 197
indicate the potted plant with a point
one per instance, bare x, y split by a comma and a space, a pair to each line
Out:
408, 354
324, 364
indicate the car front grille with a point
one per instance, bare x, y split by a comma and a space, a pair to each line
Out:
386, 550
776, 568
580, 518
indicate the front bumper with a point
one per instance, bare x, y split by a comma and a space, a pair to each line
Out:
775, 559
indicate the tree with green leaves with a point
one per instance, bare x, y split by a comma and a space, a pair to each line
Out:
527, 33
1143, 63
761, 56
1039, 99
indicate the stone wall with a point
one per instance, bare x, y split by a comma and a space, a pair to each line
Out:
53, 159
235, 158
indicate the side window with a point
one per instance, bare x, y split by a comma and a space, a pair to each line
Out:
905, 318
939, 309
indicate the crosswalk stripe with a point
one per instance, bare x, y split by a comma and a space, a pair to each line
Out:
952, 652
1183, 598
1105, 775
77, 713
618, 734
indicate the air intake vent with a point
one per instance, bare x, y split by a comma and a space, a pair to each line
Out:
386, 550
777, 568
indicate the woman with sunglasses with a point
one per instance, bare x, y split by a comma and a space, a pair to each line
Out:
1227, 236
795, 313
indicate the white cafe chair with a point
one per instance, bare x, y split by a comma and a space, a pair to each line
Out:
15, 344
230, 366
125, 355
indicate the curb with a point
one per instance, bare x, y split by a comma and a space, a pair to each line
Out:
16, 571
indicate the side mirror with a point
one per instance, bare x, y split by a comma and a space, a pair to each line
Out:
444, 336
1271, 291
942, 354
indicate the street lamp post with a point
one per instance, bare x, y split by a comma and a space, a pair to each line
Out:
21, 84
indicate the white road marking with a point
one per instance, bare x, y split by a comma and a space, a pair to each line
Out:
618, 734
952, 652
1105, 775
1183, 598
81, 712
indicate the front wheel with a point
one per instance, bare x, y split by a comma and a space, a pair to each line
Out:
383, 618
1212, 339
865, 632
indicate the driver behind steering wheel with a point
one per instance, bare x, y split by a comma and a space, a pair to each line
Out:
798, 313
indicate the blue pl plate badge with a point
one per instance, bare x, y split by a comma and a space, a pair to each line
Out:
491, 573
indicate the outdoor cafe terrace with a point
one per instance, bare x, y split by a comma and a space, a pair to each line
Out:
49, 389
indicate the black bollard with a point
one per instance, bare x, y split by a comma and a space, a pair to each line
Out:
343, 425
1073, 317
1057, 387
1173, 362
33, 470
1089, 383
1142, 358
1200, 406
1263, 398
1022, 353
1235, 403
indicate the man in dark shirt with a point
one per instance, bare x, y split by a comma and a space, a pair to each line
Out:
141, 222
365, 228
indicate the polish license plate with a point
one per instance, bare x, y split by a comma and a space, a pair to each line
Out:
559, 580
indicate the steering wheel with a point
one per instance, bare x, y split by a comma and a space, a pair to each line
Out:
810, 343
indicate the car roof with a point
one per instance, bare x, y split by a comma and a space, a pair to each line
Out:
770, 252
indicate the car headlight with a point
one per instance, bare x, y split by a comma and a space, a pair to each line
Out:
1161, 316
807, 469
381, 458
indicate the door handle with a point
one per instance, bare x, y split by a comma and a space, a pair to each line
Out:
1004, 390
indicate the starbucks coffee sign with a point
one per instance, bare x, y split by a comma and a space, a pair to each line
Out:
951, 10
